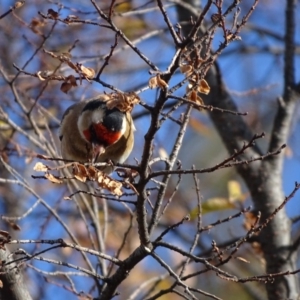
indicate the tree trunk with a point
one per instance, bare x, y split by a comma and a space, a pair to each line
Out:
13, 287
263, 178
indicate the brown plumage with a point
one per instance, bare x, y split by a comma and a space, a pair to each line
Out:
88, 128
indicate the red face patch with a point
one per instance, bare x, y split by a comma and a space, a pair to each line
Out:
99, 134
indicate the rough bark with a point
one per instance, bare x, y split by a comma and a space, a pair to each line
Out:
13, 286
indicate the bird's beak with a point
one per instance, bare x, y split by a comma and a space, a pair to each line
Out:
97, 150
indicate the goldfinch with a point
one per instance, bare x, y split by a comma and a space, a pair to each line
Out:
90, 132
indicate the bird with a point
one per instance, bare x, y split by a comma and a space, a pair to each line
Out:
91, 132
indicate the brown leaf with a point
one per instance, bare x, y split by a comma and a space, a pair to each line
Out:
92, 173
19, 4
53, 179
125, 102
14, 226
194, 79
186, 69
53, 13
199, 101
80, 172
110, 184
194, 97
153, 82
250, 219
35, 24
157, 81
203, 87
69, 82
83, 173
72, 80
65, 87
115, 100
87, 72
40, 167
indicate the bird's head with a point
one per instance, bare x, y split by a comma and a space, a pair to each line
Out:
100, 126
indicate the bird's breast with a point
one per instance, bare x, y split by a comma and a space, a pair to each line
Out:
97, 133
